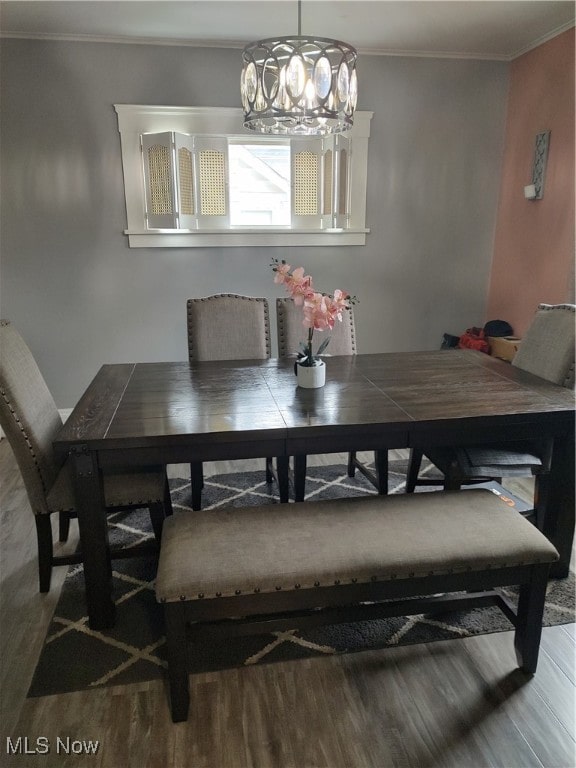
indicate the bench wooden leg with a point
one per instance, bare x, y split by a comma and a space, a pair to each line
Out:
529, 619
174, 615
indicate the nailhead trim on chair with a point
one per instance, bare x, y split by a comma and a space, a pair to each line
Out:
235, 296
26, 437
46, 490
8, 402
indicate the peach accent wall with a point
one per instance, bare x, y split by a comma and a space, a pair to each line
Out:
533, 258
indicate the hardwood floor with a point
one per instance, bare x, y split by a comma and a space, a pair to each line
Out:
457, 703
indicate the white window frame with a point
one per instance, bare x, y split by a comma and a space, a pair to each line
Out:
135, 120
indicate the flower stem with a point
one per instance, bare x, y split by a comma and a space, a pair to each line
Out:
310, 356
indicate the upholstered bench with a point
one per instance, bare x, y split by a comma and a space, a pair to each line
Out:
263, 569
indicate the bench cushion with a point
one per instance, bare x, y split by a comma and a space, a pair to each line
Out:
224, 552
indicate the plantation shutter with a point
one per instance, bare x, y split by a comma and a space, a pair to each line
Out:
159, 188
211, 164
328, 179
185, 181
306, 157
343, 150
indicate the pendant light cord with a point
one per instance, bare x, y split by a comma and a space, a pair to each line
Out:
299, 18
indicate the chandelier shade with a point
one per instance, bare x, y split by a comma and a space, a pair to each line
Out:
299, 85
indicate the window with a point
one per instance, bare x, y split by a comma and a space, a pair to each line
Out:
259, 184
192, 180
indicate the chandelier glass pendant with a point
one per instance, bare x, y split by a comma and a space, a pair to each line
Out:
299, 85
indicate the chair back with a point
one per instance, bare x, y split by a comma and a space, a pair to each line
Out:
291, 332
28, 416
228, 327
547, 349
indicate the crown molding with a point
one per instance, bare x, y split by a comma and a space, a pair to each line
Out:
544, 39
239, 44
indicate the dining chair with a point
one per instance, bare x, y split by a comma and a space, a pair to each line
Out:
226, 326
547, 351
31, 421
342, 342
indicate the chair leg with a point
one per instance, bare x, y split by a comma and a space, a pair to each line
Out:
381, 464
167, 498
453, 478
196, 484
157, 519
269, 470
299, 477
283, 475
541, 494
351, 463
414, 463
45, 551
63, 526
529, 619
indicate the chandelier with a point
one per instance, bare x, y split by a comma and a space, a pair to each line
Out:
299, 85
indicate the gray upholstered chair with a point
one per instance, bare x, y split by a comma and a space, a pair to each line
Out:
225, 327
30, 420
228, 327
291, 331
342, 342
547, 351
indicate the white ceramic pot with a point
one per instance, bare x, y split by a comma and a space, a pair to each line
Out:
311, 377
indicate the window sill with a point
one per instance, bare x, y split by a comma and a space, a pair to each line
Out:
244, 238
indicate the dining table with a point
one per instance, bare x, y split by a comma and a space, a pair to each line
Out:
136, 415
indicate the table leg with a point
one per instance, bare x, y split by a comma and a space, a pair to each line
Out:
558, 523
93, 529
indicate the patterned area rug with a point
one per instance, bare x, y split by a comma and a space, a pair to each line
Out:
75, 657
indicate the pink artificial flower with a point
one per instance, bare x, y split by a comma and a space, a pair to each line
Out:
282, 273
299, 285
339, 303
317, 312
320, 311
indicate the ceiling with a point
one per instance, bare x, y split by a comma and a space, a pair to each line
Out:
491, 29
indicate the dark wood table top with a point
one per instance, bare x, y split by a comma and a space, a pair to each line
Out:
141, 414
138, 404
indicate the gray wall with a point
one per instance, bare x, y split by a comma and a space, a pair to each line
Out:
81, 297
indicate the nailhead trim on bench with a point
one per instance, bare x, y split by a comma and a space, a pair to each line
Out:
228, 545
379, 530
353, 580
